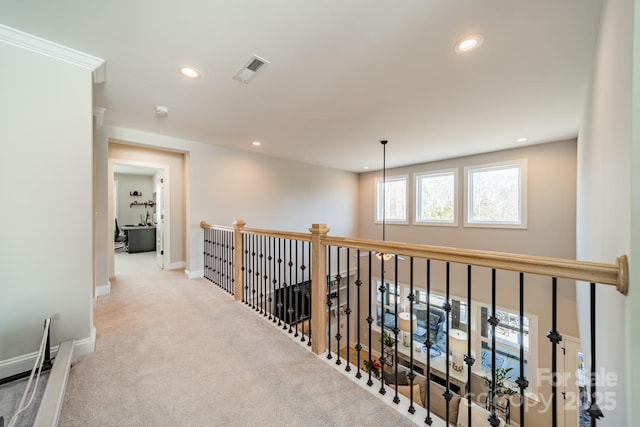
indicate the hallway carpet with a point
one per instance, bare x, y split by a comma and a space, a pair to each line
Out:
177, 352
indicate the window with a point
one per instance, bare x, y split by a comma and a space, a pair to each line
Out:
436, 201
508, 340
395, 199
431, 323
496, 195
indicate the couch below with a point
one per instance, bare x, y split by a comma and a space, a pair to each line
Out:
458, 406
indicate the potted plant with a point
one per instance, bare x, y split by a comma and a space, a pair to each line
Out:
502, 392
501, 388
388, 339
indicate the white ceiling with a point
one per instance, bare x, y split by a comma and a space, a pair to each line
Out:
343, 74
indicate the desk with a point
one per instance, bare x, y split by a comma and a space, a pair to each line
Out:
438, 365
140, 239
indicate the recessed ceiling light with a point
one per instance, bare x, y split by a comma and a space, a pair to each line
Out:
189, 71
522, 139
256, 143
365, 167
469, 43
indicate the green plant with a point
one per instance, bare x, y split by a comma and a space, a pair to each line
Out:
388, 339
501, 388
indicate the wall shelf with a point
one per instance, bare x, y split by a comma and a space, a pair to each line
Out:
150, 203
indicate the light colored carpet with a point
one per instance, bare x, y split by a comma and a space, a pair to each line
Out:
178, 352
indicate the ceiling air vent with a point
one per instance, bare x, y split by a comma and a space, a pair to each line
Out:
254, 65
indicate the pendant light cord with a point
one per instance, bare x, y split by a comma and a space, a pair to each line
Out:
384, 187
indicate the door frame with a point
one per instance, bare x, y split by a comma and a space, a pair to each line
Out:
166, 232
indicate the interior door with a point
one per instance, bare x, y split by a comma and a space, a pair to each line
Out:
158, 216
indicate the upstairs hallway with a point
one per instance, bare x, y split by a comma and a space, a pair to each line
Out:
172, 351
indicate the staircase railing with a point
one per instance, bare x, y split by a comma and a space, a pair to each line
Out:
312, 282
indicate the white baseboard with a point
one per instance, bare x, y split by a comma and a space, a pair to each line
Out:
25, 362
175, 266
103, 290
194, 274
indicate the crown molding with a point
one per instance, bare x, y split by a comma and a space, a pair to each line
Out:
45, 47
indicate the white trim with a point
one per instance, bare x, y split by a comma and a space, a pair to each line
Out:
522, 222
418, 198
103, 290
175, 265
25, 362
387, 179
195, 274
45, 47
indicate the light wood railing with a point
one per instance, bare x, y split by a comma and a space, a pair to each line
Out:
260, 279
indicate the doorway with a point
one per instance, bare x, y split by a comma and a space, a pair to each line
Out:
138, 202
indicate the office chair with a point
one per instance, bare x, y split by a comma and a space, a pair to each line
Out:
120, 238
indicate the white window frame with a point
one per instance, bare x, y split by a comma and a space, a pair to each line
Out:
521, 223
418, 198
531, 354
378, 199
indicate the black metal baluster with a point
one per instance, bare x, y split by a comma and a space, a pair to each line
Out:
347, 311
245, 294
358, 344
265, 275
329, 302
594, 410
447, 309
396, 329
272, 282
522, 381
290, 310
256, 272
383, 357
469, 360
233, 261
296, 293
310, 297
428, 420
305, 296
555, 339
225, 254
285, 285
411, 375
204, 252
493, 321
337, 311
216, 257
280, 291
369, 318
251, 269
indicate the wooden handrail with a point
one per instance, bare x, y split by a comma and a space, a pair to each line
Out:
608, 274
204, 224
305, 237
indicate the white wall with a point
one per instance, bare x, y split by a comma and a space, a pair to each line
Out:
604, 211
551, 207
127, 183
223, 185
634, 298
46, 243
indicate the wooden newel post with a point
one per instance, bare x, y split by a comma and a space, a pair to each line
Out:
238, 258
318, 288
